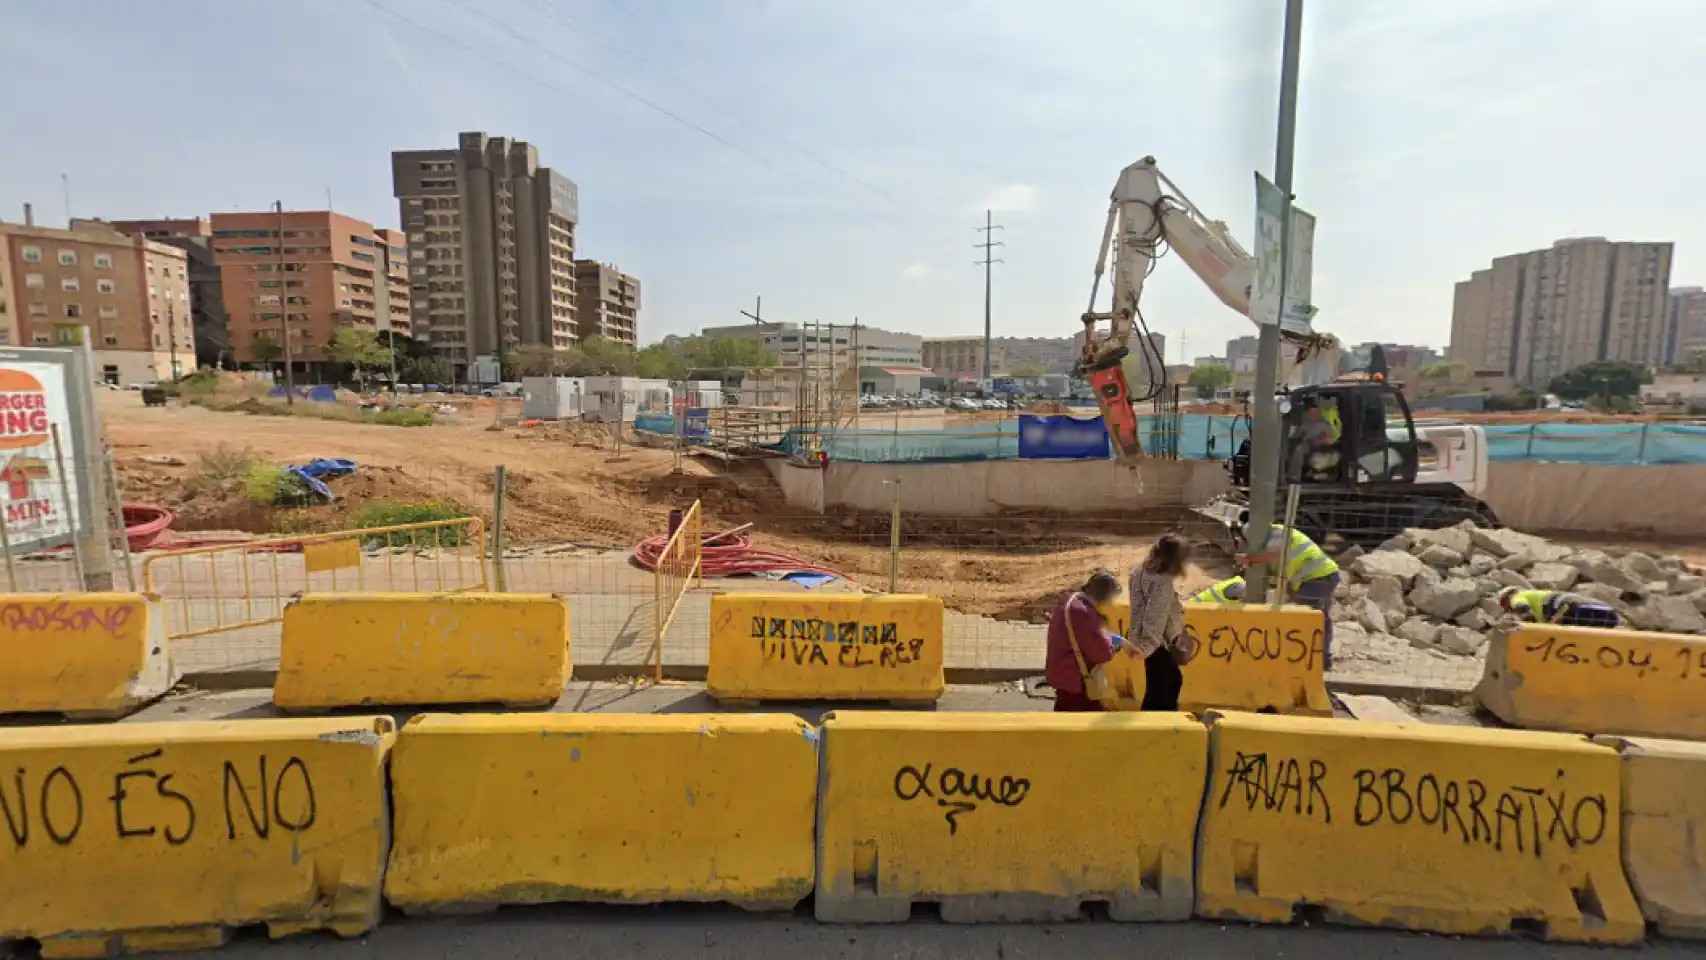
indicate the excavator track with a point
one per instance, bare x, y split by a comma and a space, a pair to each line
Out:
1365, 516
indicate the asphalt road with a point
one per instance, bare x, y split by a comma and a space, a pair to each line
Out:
563, 931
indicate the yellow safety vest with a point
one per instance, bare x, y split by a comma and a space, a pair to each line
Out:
1330, 413
1216, 593
1304, 561
1536, 601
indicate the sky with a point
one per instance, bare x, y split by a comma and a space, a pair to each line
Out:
835, 158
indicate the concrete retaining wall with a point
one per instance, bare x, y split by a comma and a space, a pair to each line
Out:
992, 486
1594, 498
1589, 498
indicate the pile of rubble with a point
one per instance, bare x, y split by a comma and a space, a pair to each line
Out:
1438, 590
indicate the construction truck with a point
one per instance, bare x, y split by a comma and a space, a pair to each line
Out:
1361, 466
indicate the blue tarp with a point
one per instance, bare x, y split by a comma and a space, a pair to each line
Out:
1062, 438
310, 473
698, 424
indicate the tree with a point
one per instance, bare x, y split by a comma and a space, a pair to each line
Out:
1025, 369
1444, 370
267, 351
1208, 378
359, 347
1695, 362
660, 362
425, 369
1604, 379
607, 357
534, 360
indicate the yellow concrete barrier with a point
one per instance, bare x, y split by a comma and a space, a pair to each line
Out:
152, 836
791, 646
602, 807
89, 655
1454, 830
359, 649
1597, 681
1255, 657
1664, 830
1007, 816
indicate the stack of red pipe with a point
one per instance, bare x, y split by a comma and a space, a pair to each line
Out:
731, 553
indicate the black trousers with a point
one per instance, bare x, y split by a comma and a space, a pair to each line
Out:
1162, 681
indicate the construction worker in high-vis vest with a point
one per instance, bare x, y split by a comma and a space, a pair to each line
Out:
1230, 590
1556, 606
1311, 577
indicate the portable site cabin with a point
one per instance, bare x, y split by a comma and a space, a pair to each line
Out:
610, 398
552, 398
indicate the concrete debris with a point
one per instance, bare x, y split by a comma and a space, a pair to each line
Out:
1517, 562
1371, 617
1459, 640
1388, 563
1686, 583
1552, 576
1509, 578
1437, 590
1472, 619
1398, 543
1351, 553
1601, 592
1455, 539
1670, 614
1446, 599
1419, 632
1643, 566
1387, 593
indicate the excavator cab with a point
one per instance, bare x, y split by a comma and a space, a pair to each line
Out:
1350, 433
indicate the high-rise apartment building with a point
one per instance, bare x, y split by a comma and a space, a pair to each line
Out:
131, 294
1536, 315
607, 302
492, 247
1685, 323
311, 271
194, 236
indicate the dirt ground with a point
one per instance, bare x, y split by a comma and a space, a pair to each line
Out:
561, 490
575, 488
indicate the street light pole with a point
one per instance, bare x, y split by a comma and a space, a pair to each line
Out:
1265, 439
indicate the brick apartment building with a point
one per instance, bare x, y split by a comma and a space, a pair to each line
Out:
607, 302
194, 236
334, 270
130, 293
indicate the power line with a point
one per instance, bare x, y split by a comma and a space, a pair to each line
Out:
804, 151
640, 98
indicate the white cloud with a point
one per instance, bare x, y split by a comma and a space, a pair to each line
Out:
1012, 198
916, 271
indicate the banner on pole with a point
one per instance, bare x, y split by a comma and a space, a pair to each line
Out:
1265, 299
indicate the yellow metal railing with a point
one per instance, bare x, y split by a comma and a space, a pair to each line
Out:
678, 566
229, 587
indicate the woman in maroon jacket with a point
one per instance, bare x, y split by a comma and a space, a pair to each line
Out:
1094, 641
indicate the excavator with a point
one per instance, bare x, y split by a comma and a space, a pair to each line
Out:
1368, 476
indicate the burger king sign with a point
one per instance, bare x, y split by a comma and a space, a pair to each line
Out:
32, 401
23, 410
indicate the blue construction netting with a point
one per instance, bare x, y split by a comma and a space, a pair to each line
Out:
1606, 443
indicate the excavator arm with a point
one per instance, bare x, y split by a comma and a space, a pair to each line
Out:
1150, 215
